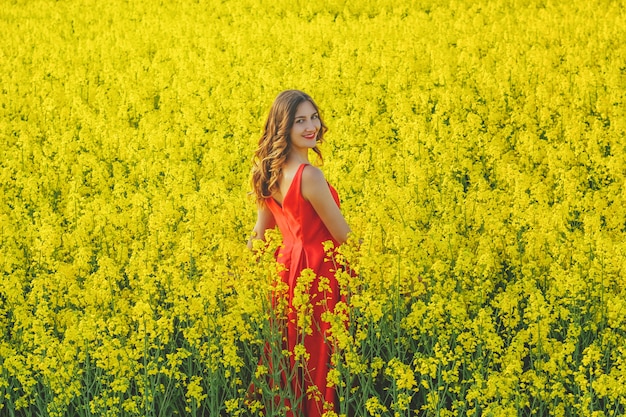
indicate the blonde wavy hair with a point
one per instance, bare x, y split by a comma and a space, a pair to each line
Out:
275, 143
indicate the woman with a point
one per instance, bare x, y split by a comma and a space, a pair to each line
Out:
294, 195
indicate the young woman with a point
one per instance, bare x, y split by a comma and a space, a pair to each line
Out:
294, 195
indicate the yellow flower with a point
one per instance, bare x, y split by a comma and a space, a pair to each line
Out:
402, 374
194, 390
374, 407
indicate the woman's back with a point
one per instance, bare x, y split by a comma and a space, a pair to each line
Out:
296, 218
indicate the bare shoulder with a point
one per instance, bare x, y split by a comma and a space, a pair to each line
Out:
313, 175
314, 183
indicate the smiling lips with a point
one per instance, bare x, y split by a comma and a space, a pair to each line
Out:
311, 136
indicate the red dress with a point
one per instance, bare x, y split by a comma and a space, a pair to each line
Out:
303, 233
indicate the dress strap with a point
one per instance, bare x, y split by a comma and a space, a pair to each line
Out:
297, 179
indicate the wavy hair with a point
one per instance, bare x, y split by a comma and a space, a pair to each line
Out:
275, 143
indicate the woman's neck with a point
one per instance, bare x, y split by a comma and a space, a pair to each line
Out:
299, 156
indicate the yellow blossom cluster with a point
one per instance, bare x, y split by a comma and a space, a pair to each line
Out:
479, 151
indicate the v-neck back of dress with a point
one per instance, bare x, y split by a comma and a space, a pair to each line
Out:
296, 218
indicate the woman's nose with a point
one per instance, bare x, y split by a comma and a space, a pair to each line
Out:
311, 126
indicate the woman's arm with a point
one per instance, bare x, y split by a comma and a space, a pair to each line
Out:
265, 220
315, 189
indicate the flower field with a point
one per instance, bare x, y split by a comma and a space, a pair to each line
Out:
479, 149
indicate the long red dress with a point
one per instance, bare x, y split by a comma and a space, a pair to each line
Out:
303, 233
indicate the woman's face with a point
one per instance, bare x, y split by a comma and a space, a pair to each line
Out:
306, 126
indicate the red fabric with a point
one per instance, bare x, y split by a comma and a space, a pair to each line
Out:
303, 233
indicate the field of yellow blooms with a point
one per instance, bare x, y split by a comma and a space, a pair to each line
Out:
479, 149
